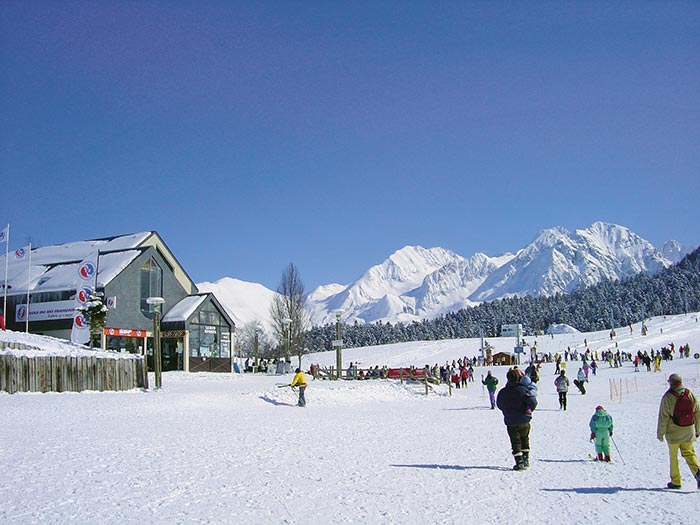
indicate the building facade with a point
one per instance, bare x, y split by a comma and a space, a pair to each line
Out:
197, 333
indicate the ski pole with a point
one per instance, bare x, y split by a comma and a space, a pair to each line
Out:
618, 450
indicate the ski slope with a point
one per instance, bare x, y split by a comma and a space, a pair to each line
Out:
213, 448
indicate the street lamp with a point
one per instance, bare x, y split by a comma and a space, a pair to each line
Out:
255, 351
156, 303
287, 322
338, 343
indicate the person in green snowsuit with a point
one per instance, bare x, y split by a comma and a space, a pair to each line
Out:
601, 429
491, 383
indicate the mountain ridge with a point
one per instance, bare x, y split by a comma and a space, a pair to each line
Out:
416, 283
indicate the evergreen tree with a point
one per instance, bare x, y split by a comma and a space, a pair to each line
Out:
95, 312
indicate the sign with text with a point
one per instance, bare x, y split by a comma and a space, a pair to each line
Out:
511, 330
173, 334
45, 311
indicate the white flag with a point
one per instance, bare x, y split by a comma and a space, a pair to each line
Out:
87, 281
4, 233
21, 253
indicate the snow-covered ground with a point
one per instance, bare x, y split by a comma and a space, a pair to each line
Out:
212, 448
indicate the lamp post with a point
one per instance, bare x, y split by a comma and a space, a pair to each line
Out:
338, 344
287, 322
255, 351
156, 303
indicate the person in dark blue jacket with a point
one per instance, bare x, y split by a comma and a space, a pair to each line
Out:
517, 404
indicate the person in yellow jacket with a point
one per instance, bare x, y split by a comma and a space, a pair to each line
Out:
299, 381
679, 437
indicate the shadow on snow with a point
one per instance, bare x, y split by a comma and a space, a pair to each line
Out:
456, 467
277, 403
613, 490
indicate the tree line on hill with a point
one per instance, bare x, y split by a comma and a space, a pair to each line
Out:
609, 304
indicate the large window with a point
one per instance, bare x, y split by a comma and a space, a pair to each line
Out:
151, 284
210, 335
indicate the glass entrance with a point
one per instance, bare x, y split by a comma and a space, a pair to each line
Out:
172, 352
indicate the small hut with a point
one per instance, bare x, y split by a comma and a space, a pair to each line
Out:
502, 358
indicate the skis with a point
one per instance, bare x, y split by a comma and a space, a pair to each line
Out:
595, 458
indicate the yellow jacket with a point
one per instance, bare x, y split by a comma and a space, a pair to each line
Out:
299, 379
665, 425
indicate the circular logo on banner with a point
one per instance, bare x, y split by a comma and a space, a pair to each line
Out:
111, 331
20, 252
87, 270
21, 313
79, 321
84, 295
139, 333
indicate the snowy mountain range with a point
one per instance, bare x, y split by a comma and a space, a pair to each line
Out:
417, 283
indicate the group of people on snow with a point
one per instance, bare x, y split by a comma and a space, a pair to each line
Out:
678, 420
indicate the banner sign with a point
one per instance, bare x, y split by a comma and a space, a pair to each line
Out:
87, 282
124, 332
45, 311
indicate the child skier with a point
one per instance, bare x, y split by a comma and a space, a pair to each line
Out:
601, 430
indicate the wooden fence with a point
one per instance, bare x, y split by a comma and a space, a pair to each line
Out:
70, 374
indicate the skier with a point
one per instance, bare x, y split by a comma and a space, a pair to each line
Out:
601, 426
299, 381
517, 406
491, 383
580, 381
562, 384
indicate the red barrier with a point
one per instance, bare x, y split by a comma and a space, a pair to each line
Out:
408, 373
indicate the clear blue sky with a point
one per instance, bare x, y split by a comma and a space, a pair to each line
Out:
330, 134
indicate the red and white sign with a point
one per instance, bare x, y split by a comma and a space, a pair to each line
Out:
124, 332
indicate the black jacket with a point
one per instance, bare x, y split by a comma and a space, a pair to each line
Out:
515, 403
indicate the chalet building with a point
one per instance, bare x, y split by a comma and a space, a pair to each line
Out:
197, 333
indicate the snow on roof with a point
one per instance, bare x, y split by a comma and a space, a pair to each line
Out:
45, 346
56, 267
185, 308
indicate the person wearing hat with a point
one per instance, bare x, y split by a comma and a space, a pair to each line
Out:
517, 405
682, 435
299, 381
601, 426
491, 383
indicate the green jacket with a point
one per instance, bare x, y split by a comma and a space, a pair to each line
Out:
491, 383
601, 422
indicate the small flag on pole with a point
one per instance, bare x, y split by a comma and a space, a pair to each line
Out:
4, 233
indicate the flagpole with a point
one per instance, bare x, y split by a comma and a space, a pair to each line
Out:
29, 278
7, 257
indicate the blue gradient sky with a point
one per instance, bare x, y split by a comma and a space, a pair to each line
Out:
252, 134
